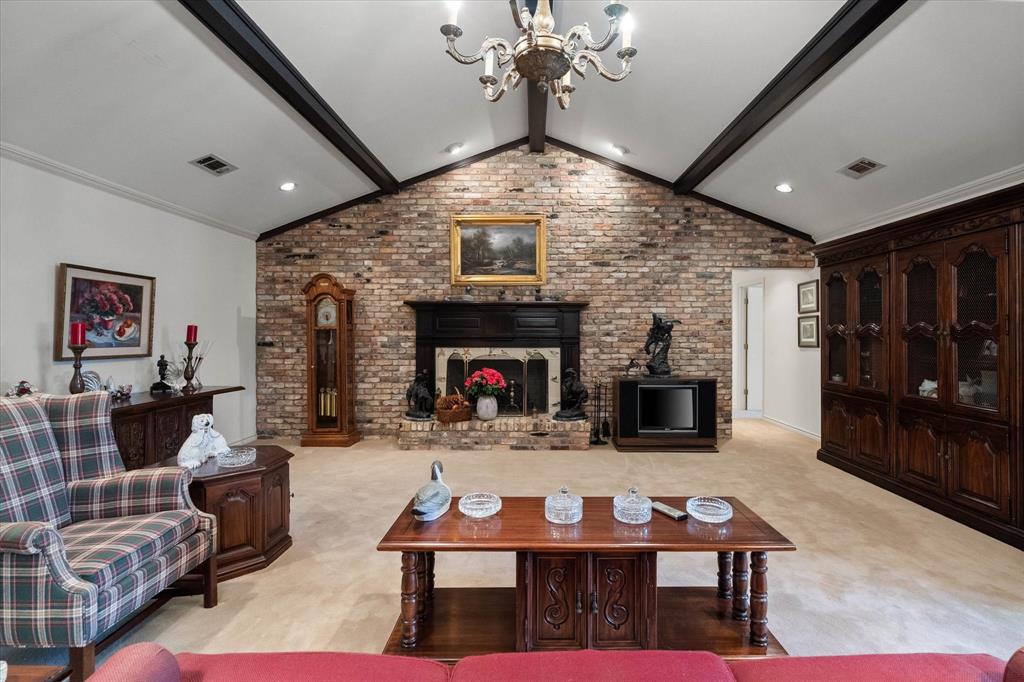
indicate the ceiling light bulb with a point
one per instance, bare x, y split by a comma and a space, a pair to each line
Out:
784, 187
454, 148
620, 150
288, 187
453, 12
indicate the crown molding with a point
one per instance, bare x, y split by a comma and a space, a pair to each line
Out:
57, 168
975, 188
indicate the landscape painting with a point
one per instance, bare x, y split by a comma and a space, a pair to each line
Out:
116, 308
496, 250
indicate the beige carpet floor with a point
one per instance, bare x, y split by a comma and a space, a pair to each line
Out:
873, 572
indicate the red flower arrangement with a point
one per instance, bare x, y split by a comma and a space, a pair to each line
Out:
485, 381
102, 303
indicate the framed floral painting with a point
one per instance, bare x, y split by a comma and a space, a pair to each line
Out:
116, 308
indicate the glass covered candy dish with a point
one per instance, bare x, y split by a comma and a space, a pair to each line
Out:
480, 505
709, 509
236, 457
632, 507
563, 507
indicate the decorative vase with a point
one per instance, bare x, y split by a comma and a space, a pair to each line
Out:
486, 407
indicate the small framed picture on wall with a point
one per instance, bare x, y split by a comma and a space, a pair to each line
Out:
807, 297
807, 331
115, 307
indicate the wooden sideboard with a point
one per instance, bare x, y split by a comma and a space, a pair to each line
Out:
921, 356
150, 428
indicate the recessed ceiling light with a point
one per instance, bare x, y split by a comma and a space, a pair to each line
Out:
288, 187
620, 149
454, 147
784, 187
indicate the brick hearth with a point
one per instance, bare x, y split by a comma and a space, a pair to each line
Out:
518, 433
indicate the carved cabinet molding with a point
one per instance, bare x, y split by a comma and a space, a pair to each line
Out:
587, 600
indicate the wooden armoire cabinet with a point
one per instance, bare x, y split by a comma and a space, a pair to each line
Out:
587, 600
921, 356
330, 351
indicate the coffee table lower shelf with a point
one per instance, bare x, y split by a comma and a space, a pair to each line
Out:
471, 621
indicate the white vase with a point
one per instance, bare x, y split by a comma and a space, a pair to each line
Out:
486, 407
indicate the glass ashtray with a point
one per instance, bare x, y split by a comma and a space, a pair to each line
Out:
632, 507
709, 509
480, 505
236, 457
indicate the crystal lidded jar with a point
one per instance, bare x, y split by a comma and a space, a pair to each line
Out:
563, 507
632, 507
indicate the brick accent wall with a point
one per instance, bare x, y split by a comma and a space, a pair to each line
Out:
628, 246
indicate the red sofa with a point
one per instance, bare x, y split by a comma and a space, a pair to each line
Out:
152, 663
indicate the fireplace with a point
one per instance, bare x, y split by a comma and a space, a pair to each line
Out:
531, 343
533, 375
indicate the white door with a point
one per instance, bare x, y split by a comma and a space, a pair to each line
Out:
753, 357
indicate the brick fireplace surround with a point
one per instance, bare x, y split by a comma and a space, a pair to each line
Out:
627, 246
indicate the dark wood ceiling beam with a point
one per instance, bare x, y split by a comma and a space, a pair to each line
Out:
229, 22
536, 102
537, 116
854, 22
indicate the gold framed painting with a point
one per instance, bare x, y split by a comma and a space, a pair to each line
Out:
498, 249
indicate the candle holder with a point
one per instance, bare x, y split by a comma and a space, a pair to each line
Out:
190, 368
77, 384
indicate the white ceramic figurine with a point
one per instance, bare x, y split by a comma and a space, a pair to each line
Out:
202, 444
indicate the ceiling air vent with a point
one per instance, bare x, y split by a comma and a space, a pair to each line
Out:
214, 164
860, 168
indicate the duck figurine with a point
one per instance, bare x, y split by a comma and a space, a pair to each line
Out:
434, 499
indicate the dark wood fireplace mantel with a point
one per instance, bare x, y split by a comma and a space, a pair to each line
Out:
477, 324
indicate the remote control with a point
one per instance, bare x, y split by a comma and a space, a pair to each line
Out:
669, 511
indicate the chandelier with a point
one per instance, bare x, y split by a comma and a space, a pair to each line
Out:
542, 56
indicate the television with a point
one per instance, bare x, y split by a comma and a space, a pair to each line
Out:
664, 409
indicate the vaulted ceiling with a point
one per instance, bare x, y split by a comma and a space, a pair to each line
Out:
124, 94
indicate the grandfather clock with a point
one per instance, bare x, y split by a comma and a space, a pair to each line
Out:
331, 358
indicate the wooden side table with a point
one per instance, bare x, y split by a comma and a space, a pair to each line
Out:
252, 506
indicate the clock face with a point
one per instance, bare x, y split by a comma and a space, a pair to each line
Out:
326, 313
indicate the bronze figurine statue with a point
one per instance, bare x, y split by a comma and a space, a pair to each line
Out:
162, 386
659, 341
419, 398
574, 395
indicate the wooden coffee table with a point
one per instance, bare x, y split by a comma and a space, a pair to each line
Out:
589, 585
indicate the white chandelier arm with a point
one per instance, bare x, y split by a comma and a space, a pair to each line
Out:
502, 48
582, 33
510, 80
584, 57
562, 93
520, 16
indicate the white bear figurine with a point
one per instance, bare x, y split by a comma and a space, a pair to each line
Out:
202, 444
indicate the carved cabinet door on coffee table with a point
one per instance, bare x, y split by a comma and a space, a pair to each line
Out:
587, 600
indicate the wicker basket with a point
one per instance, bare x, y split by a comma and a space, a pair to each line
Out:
452, 408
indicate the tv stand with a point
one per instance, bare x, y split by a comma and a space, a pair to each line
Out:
665, 414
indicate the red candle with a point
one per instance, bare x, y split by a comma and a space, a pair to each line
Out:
77, 334
191, 333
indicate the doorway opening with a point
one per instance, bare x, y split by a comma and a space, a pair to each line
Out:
748, 393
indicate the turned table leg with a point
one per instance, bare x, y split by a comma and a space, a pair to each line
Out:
410, 590
740, 577
430, 581
421, 586
759, 599
725, 575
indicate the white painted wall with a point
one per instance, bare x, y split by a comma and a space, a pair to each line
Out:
792, 386
204, 276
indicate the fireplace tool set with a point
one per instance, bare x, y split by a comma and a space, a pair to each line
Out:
601, 429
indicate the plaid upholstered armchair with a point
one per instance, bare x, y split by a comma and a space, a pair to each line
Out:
83, 543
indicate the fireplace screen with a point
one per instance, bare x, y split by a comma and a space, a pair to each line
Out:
532, 375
